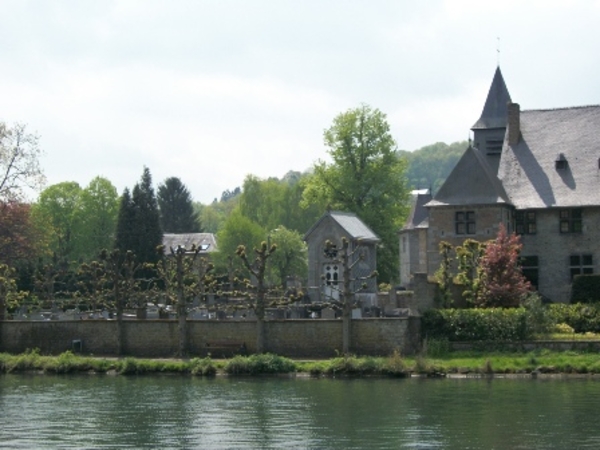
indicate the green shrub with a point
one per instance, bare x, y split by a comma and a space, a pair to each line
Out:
257, 364
490, 324
395, 365
583, 318
202, 366
585, 289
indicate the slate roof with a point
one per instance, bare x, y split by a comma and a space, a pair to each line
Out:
495, 109
206, 241
419, 215
471, 182
350, 223
528, 170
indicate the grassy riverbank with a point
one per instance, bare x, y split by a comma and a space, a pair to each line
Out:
542, 361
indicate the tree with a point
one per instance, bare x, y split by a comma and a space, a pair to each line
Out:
18, 236
147, 220
290, 258
177, 214
365, 177
347, 259
138, 223
502, 282
184, 277
257, 269
237, 230
274, 202
19, 162
58, 210
98, 217
429, 166
120, 272
9, 296
468, 256
125, 232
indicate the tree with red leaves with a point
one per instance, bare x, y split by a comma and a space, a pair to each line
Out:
502, 282
17, 234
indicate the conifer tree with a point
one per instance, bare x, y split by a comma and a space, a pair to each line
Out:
147, 232
124, 239
177, 213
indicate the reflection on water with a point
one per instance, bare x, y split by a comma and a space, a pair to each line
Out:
95, 412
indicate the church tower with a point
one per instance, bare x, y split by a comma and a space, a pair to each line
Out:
489, 130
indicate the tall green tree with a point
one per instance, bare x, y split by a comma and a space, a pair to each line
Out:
98, 216
291, 257
58, 210
125, 232
237, 230
365, 177
138, 225
177, 214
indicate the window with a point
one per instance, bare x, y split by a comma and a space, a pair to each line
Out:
530, 269
465, 222
525, 222
494, 146
581, 264
570, 220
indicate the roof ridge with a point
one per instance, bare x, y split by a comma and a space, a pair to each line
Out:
562, 108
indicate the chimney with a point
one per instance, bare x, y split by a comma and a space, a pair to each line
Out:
514, 123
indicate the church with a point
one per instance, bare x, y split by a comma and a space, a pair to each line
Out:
535, 171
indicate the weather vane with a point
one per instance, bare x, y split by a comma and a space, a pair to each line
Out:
498, 50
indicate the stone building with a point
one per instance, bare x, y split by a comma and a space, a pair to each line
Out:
535, 171
324, 270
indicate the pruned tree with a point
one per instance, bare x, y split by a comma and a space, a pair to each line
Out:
502, 281
468, 256
350, 285
120, 271
256, 290
92, 284
443, 275
19, 162
184, 276
9, 295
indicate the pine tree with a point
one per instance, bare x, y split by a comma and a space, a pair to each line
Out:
124, 239
177, 213
148, 233
138, 225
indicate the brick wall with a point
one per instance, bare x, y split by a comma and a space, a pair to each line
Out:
159, 338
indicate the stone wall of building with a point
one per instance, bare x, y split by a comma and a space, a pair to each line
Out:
554, 250
442, 228
160, 338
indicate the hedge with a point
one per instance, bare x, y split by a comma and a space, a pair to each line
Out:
478, 324
585, 289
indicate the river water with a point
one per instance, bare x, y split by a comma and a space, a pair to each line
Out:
180, 412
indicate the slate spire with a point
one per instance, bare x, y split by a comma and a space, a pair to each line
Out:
495, 110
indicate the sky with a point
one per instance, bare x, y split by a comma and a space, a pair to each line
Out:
211, 91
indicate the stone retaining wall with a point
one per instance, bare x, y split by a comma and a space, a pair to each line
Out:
159, 338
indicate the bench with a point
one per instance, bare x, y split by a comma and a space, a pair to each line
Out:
226, 348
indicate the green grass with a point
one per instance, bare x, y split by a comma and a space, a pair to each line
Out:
395, 365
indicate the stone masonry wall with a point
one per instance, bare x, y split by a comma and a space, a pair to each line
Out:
159, 338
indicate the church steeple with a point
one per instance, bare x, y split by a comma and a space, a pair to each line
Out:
488, 131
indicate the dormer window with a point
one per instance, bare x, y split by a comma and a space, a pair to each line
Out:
561, 162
